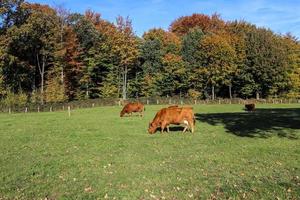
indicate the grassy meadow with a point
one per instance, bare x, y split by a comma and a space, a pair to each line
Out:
95, 154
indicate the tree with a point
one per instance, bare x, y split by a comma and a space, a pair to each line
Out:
31, 45
11, 13
207, 24
218, 58
55, 90
190, 46
171, 81
292, 47
73, 64
96, 55
126, 49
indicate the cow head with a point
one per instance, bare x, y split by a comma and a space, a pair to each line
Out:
152, 128
122, 113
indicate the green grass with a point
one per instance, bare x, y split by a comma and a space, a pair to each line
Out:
95, 154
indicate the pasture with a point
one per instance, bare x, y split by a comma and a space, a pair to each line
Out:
95, 154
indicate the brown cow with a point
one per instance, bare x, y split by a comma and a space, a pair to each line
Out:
173, 106
173, 115
250, 107
133, 107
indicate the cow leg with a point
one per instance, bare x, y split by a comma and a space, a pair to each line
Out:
168, 130
191, 122
185, 127
186, 123
162, 129
163, 126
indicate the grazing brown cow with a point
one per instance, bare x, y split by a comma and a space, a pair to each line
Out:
133, 107
173, 106
250, 107
173, 115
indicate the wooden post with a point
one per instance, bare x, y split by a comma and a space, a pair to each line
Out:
195, 101
93, 105
63, 107
26, 110
9, 110
157, 101
38, 109
69, 111
219, 101
281, 101
50, 108
147, 102
119, 103
181, 102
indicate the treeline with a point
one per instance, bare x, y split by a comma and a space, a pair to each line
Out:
51, 55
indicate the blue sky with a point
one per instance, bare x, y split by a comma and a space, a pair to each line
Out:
279, 15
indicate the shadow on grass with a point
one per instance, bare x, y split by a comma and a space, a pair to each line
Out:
260, 123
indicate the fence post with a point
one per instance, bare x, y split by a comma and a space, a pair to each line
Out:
195, 101
219, 101
26, 110
157, 101
69, 111
38, 109
63, 107
119, 102
281, 101
9, 110
93, 105
50, 108
181, 102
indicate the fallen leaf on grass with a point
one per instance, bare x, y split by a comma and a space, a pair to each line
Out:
278, 163
88, 189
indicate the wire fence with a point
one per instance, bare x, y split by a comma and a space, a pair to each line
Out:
52, 107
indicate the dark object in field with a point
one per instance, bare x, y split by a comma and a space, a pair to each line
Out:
133, 107
173, 115
250, 107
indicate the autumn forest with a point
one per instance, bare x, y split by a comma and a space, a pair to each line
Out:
49, 54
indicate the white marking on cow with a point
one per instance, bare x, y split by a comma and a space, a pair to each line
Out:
186, 122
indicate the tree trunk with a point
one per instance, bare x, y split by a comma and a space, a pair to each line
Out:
124, 93
119, 82
213, 92
87, 91
230, 92
42, 73
61, 43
